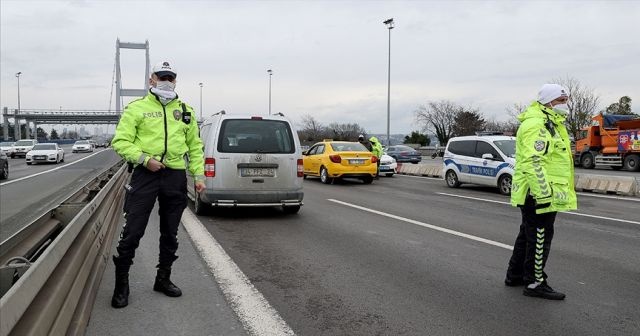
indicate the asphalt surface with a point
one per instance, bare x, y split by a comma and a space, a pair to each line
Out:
338, 270
22, 201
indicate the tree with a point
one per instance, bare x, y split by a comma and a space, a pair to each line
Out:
346, 132
54, 134
439, 118
72, 135
311, 129
41, 134
417, 137
467, 122
582, 104
623, 106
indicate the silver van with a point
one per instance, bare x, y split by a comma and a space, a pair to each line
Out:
250, 161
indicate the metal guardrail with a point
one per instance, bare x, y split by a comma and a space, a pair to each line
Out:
51, 292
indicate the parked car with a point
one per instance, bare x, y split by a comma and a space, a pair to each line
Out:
4, 166
338, 159
82, 146
388, 165
250, 161
45, 152
403, 153
21, 147
93, 143
7, 148
485, 160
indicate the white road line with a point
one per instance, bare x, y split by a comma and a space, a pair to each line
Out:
255, 313
568, 213
621, 198
429, 226
50, 170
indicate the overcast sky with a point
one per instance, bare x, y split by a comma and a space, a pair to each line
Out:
329, 58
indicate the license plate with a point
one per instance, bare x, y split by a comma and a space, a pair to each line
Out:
383, 168
40, 157
356, 161
262, 172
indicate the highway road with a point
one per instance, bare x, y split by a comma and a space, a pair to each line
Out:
374, 260
32, 190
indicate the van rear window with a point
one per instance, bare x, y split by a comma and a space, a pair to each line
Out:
255, 136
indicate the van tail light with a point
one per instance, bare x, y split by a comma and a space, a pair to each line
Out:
210, 167
300, 168
374, 159
335, 158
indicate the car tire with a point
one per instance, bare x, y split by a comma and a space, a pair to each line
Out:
304, 176
452, 179
13, 155
632, 163
587, 161
5, 172
291, 210
201, 208
29, 163
73, 151
324, 176
504, 184
62, 158
367, 180
389, 175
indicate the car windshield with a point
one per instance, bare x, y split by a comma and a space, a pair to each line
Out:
24, 143
6, 144
507, 147
255, 136
44, 147
348, 147
82, 142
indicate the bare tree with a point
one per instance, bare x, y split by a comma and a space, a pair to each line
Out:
346, 132
508, 127
514, 110
583, 103
438, 117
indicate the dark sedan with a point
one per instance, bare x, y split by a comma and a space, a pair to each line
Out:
404, 154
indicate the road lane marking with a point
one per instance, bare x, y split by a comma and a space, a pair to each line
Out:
252, 308
568, 212
50, 170
609, 197
426, 225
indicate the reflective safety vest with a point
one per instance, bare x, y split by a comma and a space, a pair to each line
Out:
376, 147
167, 133
544, 162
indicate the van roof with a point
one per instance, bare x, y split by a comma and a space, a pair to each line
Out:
478, 137
244, 116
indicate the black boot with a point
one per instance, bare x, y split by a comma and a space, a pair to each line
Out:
164, 285
120, 297
543, 291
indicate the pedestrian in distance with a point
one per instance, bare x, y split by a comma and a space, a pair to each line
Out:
542, 185
154, 135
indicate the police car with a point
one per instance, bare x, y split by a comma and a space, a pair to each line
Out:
484, 159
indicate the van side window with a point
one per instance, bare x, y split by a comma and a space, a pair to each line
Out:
464, 147
485, 148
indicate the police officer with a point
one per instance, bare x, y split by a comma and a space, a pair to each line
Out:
156, 134
365, 142
542, 186
376, 149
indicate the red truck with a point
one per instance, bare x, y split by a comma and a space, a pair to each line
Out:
611, 140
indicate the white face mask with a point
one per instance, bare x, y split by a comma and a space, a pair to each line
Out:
165, 86
562, 109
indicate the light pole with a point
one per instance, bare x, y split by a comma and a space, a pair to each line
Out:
200, 101
389, 24
270, 72
18, 76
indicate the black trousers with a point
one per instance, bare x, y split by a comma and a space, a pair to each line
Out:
531, 250
169, 187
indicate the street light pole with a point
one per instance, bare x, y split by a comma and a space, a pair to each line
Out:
18, 76
389, 24
200, 100
270, 74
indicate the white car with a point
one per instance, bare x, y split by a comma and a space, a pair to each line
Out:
45, 152
7, 148
482, 159
21, 147
82, 146
388, 165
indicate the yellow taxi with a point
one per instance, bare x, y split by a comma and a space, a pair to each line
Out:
337, 159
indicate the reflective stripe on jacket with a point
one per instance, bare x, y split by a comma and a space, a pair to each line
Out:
544, 163
148, 129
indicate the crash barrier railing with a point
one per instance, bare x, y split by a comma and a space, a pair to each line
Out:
53, 266
605, 184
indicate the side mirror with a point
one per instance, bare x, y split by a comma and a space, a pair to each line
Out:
487, 156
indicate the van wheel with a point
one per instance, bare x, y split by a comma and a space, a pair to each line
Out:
504, 184
587, 161
290, 210
324, 176
452, 179
632, 163
201, 208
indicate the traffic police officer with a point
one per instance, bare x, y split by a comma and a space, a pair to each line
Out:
542, 186
156, 134
376, 149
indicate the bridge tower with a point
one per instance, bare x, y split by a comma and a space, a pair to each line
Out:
120, 92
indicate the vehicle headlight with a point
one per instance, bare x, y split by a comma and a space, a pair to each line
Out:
52, 155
